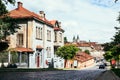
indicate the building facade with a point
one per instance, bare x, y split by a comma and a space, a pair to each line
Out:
95, 49
80, 60
37, 39
58, 42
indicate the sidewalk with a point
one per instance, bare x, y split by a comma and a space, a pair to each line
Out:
108, 75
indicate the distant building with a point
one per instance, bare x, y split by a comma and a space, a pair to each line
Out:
80, 60
84, 60
95, 49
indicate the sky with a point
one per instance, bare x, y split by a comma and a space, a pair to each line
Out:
91, 20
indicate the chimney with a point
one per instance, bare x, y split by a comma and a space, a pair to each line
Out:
42, 14
20, 5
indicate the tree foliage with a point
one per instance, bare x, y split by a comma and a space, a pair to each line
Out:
116, 37
87, 51
67, 51
2, 8
107, 46
108, 56
8, 25
113, 48
9, 1
3, 4
113, 53
3, 56
116, 52
3, 46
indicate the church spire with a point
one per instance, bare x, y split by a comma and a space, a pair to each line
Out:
77, 40
73, 38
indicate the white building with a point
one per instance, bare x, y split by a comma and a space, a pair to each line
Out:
59, 41
37, 39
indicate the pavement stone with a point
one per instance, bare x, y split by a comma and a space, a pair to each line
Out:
52, 75
108, 75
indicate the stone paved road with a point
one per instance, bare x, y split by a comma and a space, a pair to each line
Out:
52, 75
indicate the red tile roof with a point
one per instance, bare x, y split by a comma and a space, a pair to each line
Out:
83, 44
58, 29
21, 12
82, 57
53, 22
22, 49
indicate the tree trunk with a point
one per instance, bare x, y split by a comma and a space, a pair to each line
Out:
65, 63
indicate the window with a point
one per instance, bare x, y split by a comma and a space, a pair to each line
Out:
39, 33
60, 37
36, 32
55, 36
20, 39
48, 35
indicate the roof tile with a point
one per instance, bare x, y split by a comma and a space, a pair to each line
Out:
82, 57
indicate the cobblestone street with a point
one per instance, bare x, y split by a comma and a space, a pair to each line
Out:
52, 75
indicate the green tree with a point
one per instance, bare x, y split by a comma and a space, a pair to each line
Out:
113, 48
87, 51
113, 53
3, 4
108, 55
8, 25
116, 37
3, 56
116, 52
107, 46
67, 52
